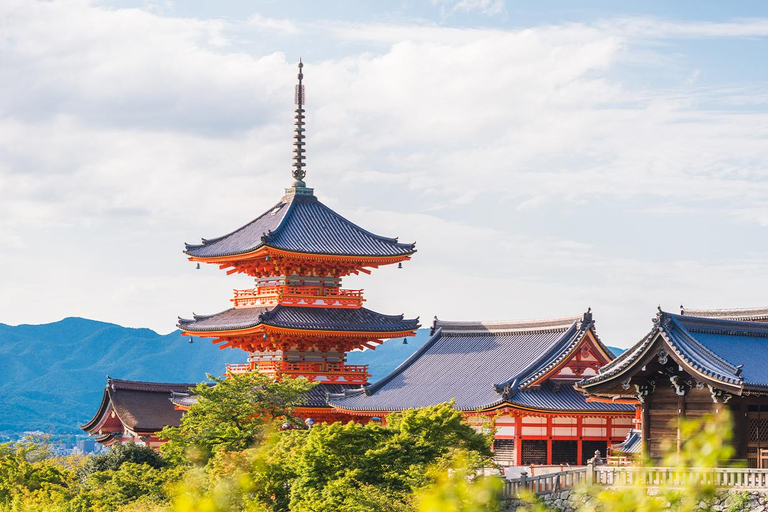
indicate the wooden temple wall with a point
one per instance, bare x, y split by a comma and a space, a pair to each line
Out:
523, 440
662, 413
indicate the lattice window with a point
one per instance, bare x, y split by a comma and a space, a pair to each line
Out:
758, 429
534, 452
588, 449
565, 452
504, 452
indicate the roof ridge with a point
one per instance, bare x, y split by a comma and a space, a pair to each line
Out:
726, 313
543, 324
725, 325
138, 385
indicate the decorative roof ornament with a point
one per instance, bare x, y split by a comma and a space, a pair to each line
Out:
298, 137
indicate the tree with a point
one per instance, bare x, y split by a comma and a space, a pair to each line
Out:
120, 454
338, 462
233, 414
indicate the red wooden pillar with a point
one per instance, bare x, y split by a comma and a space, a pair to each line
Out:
608, 434
549, 440
578, 443
518, 440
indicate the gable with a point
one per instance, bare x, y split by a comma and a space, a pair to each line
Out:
583, 361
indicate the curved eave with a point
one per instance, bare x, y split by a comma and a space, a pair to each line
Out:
486, 408
105, 439
261, 327
103, 409
645, 356
263, 250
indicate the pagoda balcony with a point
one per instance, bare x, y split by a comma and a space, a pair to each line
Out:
304, 296
313, 371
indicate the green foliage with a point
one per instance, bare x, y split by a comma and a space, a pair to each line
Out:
26, 477
119, 455
250, 466
113, 489
338, 460
738, 502
232, 415
345, 467
457, 491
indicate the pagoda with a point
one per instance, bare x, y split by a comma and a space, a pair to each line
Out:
297, 320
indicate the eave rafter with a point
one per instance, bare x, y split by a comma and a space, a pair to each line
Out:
268, 338
268, 261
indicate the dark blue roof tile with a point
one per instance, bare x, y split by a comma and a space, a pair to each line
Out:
322, 319
730, 351
481, 365
302, 224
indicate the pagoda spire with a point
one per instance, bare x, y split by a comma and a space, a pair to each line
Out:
298, 137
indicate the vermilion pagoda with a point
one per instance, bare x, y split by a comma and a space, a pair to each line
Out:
298, 321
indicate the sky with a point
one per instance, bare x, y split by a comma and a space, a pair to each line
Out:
546, 157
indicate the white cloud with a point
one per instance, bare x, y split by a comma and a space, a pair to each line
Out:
125, 133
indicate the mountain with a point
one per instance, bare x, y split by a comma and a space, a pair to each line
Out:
52, 375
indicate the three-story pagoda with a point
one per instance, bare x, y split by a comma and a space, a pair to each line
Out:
298, 321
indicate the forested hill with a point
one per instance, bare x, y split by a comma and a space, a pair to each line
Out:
52, 375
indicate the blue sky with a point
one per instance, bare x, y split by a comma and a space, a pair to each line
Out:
545, 158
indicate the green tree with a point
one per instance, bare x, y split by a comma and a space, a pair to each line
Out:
30, 479
131, 483
337, 462
232, 415
119, 455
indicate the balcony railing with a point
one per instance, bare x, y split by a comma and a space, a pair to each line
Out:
320, 296
312, 370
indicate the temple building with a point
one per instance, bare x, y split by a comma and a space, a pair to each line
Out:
688, 366
133, 411
515, 376
297, 320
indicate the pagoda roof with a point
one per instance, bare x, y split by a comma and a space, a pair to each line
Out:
732, 353
294, 317
142, 407
300, 223
483, 365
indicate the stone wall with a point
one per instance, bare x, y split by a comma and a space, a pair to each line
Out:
725, 501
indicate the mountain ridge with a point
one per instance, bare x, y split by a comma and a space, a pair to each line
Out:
52, 375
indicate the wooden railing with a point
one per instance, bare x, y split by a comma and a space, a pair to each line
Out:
311, 367
674, 477
617, 476
298, 294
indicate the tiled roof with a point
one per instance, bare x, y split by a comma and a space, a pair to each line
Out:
743, 314
301, 223
631, 445
481, 365
730, 351
140, 406
321, 319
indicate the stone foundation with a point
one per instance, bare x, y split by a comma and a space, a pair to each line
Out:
725, 501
